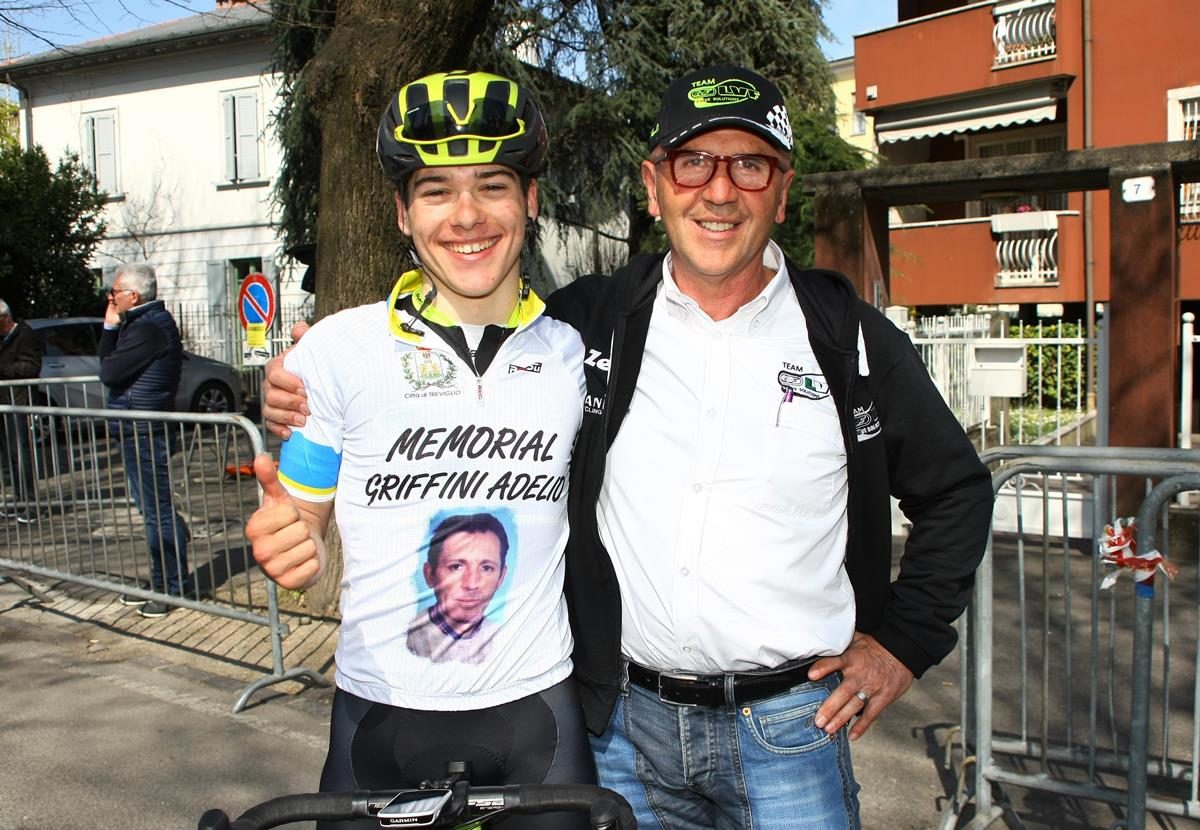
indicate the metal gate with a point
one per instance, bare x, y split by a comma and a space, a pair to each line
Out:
78, 484
1066, 688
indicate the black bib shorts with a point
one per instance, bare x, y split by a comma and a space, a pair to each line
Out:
539, 739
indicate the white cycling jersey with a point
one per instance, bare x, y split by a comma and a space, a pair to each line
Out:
419, 448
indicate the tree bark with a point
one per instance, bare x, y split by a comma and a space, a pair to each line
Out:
376, 46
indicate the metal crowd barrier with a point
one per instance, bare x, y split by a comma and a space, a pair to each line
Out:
1066, 688
70, 512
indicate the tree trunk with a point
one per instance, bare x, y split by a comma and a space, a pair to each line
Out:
375, 47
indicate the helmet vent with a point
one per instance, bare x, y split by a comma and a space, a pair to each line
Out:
457, 92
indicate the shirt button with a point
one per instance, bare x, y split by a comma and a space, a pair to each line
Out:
684, 572
696, 488
712, 413
688, 649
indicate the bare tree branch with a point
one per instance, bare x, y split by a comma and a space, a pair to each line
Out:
31, 18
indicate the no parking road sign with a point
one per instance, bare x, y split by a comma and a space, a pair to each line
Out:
256, 309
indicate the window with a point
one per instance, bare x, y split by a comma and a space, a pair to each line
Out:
859, 123
997, 146
240, 110
100, 149
71, 339
243, 268
1183, 124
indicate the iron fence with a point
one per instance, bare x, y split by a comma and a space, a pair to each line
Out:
78, 485
1066, 688
1055, 408
216, 332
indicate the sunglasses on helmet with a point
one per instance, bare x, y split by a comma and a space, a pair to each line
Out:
434, 122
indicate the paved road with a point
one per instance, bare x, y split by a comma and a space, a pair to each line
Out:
131, 730
94, 735
129, 727
111, 721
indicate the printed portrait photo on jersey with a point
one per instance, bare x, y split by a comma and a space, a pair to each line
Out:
462, 584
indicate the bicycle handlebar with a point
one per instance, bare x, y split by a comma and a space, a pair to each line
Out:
608, 810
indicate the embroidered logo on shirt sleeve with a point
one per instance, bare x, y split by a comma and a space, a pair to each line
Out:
866, 422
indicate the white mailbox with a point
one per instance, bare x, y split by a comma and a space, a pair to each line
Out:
997, 369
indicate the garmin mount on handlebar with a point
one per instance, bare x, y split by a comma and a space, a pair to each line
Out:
448, 803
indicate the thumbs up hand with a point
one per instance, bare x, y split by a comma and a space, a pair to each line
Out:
267, 473
287, 539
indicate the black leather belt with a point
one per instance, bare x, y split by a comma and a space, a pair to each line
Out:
690, 689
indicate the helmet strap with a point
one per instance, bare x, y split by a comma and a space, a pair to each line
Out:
426, 301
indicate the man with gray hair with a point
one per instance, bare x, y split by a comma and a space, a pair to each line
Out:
141, 357
20, 358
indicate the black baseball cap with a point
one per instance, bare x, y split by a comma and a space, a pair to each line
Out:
721, 96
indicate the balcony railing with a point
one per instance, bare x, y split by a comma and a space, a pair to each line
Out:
1189, 202
1024, 31
1027, 248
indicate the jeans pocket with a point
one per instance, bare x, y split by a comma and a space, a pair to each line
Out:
785, 725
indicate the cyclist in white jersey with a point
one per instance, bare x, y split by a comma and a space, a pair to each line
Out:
441, 428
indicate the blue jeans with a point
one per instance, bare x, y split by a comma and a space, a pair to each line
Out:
763, 765
144, 446
15, 456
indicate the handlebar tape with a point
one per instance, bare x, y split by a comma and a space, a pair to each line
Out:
609, 810
307, 806
213, 820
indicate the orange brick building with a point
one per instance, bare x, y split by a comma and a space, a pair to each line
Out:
955, 80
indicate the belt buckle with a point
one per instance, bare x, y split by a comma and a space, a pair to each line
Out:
676, 675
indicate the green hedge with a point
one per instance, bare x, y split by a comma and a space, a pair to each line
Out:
1044, 391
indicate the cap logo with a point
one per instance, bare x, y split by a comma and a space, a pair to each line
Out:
779, 124
713, 93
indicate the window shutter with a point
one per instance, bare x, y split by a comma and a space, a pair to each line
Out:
227, 108
246, 120
104, 130
89, 143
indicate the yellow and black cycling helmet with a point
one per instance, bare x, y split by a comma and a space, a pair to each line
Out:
457, 118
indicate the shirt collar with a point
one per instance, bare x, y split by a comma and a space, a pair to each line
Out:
437, 618
772, 259
412, 282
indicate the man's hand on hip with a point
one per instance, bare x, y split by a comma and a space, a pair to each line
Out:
871, 679
285, 403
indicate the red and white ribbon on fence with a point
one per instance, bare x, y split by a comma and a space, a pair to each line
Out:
1118, 548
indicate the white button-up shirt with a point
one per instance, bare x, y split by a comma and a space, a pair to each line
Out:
724, 497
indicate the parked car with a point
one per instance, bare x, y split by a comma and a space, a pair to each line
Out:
71, 346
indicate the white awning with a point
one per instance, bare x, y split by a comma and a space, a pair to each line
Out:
1002, 108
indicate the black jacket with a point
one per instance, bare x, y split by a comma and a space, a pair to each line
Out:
140, 361
900, 437
20, 357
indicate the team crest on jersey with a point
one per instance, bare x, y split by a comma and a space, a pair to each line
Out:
802, 384
424, 368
